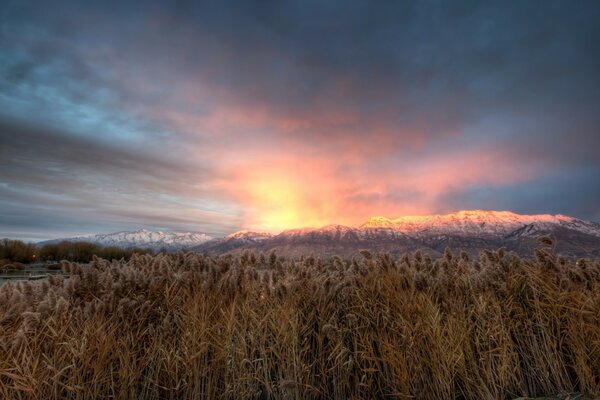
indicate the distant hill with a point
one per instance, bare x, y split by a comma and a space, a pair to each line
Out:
472, 231
155, 240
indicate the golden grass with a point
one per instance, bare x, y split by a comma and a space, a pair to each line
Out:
191, 326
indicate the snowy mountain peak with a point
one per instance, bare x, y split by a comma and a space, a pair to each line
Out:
327, 229
467, 229
479, 222
237, 234
249, 235
143, 238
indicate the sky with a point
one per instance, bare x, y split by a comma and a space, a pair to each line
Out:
272, 115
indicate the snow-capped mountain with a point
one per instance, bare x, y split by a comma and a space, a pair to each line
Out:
478, 222
472, 231
249, 236
328, 231
143, 238
238, 240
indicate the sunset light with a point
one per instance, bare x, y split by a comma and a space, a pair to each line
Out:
280, 201
240, 200
280, 204
217, 125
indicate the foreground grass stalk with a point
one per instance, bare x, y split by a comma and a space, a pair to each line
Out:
178, 326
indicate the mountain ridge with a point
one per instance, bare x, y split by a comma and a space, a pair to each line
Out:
480, 221
155, 240
471, 230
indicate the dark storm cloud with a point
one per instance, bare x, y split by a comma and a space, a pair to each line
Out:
422, 103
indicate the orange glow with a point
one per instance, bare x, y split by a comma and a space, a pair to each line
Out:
279, 201
288, 170
302, 188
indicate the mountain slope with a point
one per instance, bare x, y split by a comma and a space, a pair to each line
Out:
478, 222
233, 242
327, 241
472, 231
143, 238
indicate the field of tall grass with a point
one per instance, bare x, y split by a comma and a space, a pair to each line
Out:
190, 326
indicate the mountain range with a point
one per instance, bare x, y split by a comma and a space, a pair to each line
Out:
143, 238
472, 231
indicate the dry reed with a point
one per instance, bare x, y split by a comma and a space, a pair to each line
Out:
177, 326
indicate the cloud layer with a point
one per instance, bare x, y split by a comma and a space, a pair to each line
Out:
220, 117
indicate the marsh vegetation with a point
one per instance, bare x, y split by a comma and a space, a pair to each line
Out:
260, 326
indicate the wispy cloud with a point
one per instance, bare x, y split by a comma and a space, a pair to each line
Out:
230, 115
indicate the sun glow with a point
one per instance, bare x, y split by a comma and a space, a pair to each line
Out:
281, 195
281, 202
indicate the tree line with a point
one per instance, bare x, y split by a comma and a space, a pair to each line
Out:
22, 252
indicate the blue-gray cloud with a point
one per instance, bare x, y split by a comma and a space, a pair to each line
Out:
133, 111
571, 192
